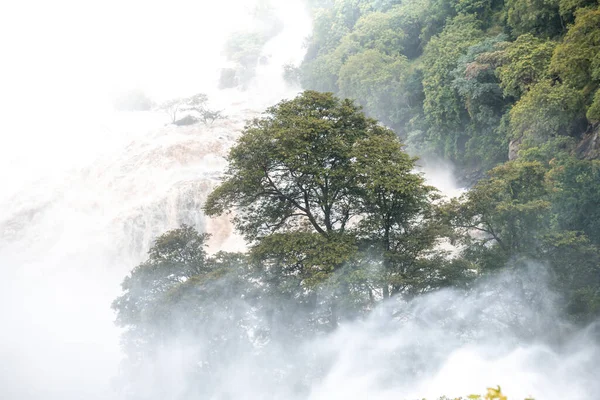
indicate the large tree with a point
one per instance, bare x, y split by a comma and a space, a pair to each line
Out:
314, 171
314, 163
296, 168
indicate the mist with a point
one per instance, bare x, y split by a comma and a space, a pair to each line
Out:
86, 188
453, 342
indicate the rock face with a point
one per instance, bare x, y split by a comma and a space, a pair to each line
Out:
589, 147
513, 148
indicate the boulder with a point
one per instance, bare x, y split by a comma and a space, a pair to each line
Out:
187, 120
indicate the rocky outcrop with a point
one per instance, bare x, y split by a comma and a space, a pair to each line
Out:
513, 148
589, 147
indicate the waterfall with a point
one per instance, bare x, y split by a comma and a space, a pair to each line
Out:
87, 188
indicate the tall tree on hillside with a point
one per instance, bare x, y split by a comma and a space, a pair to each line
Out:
313, 171
295, 168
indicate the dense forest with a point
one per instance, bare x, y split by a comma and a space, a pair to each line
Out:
325, 192
508, 91
475, 82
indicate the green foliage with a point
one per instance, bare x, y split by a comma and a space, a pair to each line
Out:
326, 33
379, 31
486, 11
575, 263
307, 178
399, 219
568, 8
331, 24
531, 210
175, 257
480, 7
524, 63
553, 149
475, 82
410, 17
333, 179
577, 59
180, 290
348, 12
336, 215
320, 73
538, 17
378, 82
337, 219
305, 258
436, 14
333, 42
443, 107
576, 196
547, 110
509, 209
418, 23
474, 79
593, 112
431, 70
384, 5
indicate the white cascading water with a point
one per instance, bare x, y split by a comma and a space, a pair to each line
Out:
86, 189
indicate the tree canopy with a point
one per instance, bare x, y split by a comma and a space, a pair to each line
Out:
311, 178
315, 171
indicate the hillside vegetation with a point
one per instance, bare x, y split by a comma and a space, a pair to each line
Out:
472, 81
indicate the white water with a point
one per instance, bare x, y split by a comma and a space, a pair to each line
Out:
84, 188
